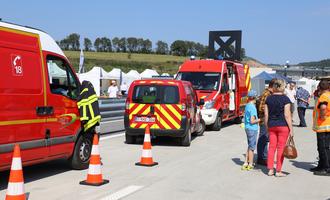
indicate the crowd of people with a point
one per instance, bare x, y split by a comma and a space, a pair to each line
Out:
272, 117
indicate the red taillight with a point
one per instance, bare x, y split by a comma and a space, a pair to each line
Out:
127, 105
184, 106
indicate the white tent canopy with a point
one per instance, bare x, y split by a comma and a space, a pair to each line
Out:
99, 78
115, 72
134, 73
165, 74
93, 76
148, 73
309, 84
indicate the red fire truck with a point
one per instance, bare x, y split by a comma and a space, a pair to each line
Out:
38, 98
223, 82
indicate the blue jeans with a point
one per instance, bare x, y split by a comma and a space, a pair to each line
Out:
262, 146
251, 138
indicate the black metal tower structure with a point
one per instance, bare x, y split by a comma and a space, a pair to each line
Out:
226, 44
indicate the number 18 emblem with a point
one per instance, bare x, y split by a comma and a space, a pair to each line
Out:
16, 61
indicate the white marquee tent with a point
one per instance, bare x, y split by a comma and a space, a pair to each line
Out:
131, 76
148, 73
99, 78
93, 76
134, 73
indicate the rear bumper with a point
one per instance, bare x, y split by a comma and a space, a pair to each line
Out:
157, 132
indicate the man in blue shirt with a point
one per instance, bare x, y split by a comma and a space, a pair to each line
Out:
302, 96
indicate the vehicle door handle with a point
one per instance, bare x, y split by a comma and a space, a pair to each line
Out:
152, 110
45, 110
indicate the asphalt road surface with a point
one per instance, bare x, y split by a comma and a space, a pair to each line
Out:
209, 169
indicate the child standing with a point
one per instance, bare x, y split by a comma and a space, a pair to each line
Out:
251, 129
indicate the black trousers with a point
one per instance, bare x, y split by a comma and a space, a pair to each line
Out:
323, 147
301, 114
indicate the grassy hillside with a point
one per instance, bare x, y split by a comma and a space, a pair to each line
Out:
125, 61
139, 62
322, 63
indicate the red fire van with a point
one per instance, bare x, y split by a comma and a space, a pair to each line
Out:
38, 92
170, 107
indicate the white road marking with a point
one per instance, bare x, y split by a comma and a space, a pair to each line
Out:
123, 192
112, 136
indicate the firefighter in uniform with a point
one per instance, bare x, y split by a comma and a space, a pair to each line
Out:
88, 107
321, 120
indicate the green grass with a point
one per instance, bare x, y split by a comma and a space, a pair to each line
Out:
125, 61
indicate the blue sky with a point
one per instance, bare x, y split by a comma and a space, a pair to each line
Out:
273, 32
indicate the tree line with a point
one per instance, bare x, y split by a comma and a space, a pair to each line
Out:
135, 45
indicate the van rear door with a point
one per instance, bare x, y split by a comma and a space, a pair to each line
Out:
22, 92
144, 108
170, 107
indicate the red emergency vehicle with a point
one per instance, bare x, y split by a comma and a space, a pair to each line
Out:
38, 92
222, 83
170, 107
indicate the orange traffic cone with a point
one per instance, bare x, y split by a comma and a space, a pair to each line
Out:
94, 176
146, 159
15, 190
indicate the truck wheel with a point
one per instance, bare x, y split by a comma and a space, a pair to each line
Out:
201, 128
130, 139
218, 123
186, 140
81, 153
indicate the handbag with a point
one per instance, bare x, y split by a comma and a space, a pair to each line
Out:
290, 150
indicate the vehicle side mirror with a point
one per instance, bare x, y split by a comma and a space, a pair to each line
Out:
201, 102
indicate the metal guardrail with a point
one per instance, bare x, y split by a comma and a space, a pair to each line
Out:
112, 109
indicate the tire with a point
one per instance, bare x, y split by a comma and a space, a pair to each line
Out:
82, 152
201, 128
218, 123
186, 140
130, 139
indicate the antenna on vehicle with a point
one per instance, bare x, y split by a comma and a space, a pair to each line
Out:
228, 42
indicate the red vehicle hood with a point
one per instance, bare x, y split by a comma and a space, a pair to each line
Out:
206, 94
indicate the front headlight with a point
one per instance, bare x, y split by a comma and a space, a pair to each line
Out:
209, 104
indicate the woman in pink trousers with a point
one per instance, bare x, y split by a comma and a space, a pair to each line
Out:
279, 123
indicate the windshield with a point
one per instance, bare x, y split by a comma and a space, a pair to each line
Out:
155, 94
201, 80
